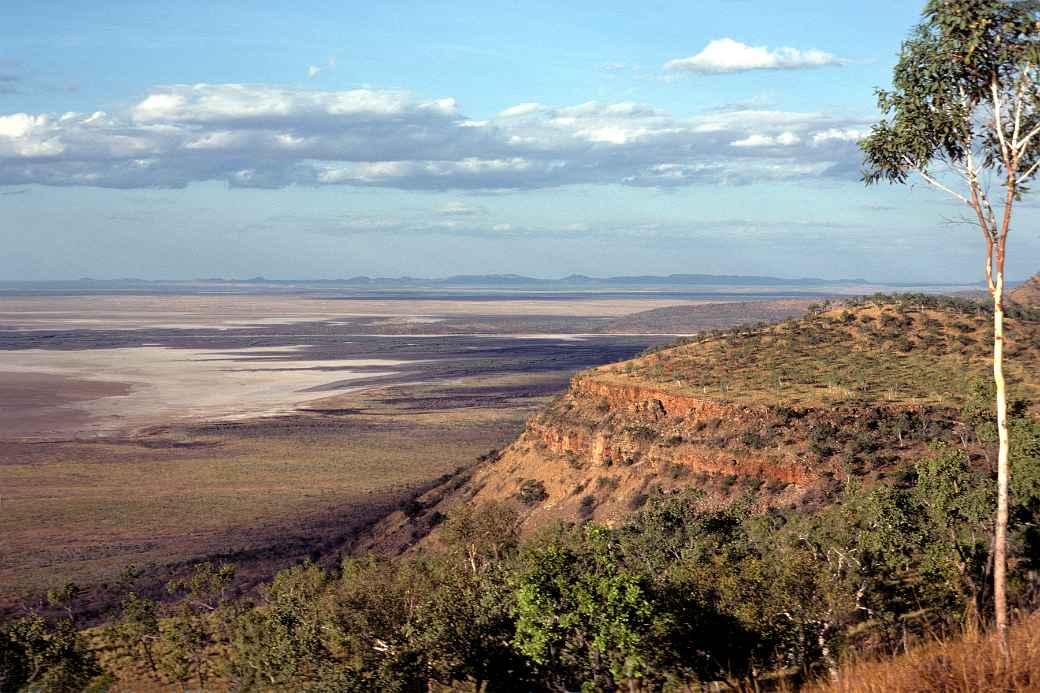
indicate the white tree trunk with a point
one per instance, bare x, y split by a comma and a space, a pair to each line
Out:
1000, 533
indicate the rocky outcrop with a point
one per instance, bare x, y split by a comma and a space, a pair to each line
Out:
610, 442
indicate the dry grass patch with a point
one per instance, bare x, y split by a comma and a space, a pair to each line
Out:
965, 665
885, 352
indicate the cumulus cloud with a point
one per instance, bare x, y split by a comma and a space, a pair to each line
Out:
723, 56
840, 135
270, 136
784, 139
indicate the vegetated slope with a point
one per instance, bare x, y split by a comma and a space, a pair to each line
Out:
785, 412
1027, 294
696, 318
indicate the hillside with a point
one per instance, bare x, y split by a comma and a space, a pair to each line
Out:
1028, 294
786, 412
697, 318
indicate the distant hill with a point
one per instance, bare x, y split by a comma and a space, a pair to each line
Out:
577, 280
707, 316
469, 281
1027, 294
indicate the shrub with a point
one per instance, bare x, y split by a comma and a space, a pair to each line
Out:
637, 501
753, 439
412, 507
532, 491
677, 471
588, 504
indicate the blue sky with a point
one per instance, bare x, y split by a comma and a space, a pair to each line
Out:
334, 139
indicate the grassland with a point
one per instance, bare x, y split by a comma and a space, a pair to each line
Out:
263, 493
913, 351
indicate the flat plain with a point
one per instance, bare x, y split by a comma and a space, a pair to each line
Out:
160, 430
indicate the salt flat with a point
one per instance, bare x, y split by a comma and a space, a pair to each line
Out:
116, 390
224, 311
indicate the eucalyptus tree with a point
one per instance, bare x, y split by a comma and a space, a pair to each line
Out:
964, 111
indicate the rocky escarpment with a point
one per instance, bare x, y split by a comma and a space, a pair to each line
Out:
603, 448
606, 424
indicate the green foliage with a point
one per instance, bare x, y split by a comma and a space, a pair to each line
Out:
41, 657
532, 491
582, 617
280, 641
65, 598
483, 534
946, 71
136, 633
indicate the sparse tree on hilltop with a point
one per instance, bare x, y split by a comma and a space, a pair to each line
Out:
965, 107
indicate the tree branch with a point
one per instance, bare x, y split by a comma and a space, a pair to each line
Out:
936, 184
1019, 97
998, 122
1025, 140
1029, 173
980, 202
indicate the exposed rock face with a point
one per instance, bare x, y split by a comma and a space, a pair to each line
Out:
602, 448
605, 424
1029, 293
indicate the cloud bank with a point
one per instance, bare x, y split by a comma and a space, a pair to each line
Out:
724, 56
268, 137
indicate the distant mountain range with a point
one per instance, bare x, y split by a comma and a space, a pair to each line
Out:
580, 280
515, 281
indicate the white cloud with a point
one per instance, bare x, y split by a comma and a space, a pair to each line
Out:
784, 139
723, 56
763, 229
839, 135
271, 136
754, 141
459, 209
522, 109
213, 103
